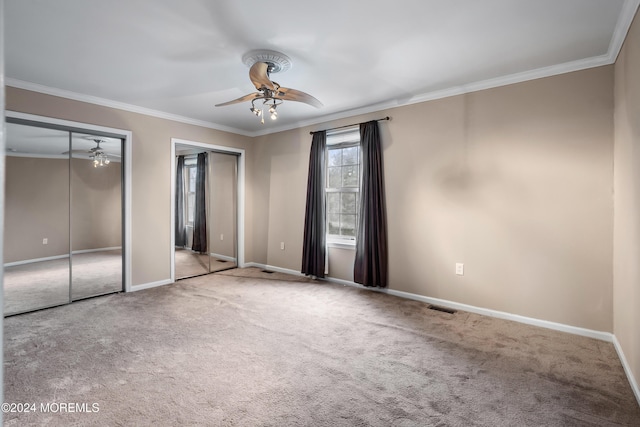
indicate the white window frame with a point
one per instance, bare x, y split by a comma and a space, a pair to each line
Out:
344, 138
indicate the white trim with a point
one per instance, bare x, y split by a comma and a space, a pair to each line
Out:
627, 369
31, 261
86, 251
625, 19
240, 196
37, 156
127, 135
341, 245
90, 99
603, 336
51, 258
274, 268
222, 257
150, 285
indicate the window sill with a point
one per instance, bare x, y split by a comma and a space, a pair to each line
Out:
341, 245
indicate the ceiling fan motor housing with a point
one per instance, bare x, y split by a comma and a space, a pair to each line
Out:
277, 61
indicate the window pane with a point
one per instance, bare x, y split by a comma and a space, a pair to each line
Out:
348, 203
333, 202
350, 176
334, 223
192, 179
350, 155
191, 207
348, 225
335, 157
335, 178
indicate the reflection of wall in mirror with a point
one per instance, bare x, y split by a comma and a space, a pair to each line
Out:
96, 205
37, 207
222, 204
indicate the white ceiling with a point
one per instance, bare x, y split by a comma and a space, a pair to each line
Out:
177, 59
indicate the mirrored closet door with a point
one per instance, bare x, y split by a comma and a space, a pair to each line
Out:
96, 215
36, 224
63, 217
205, 211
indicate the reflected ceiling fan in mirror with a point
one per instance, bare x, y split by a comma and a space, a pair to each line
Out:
97, 154
262, 64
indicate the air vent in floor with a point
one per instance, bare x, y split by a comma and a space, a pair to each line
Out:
442, 309
267, 271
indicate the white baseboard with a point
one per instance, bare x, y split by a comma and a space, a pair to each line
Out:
86, 251
274, 268
627, 369
30, 261
135, 288
51, 258
222, 257
604, 336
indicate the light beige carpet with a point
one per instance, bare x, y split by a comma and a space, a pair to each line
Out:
227, 350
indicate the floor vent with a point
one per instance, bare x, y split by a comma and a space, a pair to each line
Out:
267, 271
442, 309
221, 260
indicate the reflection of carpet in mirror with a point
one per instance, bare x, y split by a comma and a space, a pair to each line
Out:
189, 264
45, 283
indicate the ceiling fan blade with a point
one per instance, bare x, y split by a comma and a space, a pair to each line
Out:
258, 73
297, 95
241, 99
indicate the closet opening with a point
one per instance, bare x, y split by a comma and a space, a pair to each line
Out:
206, 209
64, 214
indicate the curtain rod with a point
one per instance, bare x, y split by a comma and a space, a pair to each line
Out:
347, 126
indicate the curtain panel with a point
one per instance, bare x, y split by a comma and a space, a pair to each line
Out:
180, 231
200, 215
313, 249
371, 261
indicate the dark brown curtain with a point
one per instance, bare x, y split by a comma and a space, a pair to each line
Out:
200, 214
313, 249
180, 232
370, 267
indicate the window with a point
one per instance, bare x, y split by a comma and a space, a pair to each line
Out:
190, 175
343, 185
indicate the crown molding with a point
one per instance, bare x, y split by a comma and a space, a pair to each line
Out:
90, 99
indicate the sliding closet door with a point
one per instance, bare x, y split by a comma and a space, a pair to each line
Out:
96, 215
189, 262
36, 228
223, 202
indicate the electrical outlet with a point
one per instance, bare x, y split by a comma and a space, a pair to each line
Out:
459, 269
45, 241
282, 246
222, 237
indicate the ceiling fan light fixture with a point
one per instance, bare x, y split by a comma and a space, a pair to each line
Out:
261, 64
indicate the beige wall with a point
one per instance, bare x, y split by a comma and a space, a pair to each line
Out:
516, 182
151, 164
96, 205
36, 207
626, 273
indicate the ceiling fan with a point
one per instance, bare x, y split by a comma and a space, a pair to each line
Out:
263, 63
97, 153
